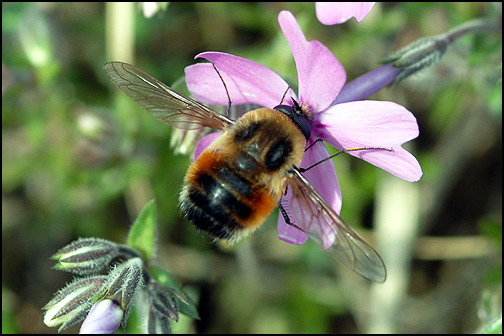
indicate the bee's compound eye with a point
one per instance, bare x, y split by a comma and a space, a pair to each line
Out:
299, 118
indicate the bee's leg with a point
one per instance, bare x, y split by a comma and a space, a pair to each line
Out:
286, 217
284, 213
318, 139
302, 170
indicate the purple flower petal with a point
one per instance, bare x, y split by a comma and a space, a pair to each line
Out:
204, 143
247, 82
286, 232
330, 13
368, 84
320, 74
323, 178
104, 318
372, 124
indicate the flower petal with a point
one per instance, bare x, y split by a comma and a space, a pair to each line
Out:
247, 82
204, 143
104, 318
286, 232
330, 13
368, 84
323, 178
320, 74
372, 124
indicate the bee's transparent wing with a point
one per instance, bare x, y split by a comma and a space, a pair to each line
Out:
162, 102
313, 215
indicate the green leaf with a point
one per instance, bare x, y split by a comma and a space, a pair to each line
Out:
142, 234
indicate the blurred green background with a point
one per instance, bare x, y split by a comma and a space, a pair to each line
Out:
79, 159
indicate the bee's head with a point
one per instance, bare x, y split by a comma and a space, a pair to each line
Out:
298, 116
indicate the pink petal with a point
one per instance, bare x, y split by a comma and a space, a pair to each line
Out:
247, 82
286, 232
372, 124
320, 74
330, 13
103, 318
368, 84
204, 143
323, 178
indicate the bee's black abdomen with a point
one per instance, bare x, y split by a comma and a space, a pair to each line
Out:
204, 221
235, 182
219, 197
213, 207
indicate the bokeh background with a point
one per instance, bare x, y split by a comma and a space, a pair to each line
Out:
79, 159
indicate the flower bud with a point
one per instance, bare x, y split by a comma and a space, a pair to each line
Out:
86, 256
104, 318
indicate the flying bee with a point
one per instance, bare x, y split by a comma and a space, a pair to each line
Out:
237, 181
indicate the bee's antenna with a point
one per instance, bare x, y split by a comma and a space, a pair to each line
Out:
227, 92
285, 93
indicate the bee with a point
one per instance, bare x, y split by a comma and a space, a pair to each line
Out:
240, 178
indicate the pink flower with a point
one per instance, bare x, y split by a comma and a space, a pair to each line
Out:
104, 318
330, 13
375, 124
